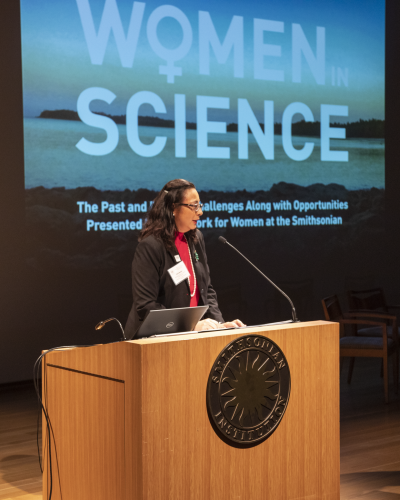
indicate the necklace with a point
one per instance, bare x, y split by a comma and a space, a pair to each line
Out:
194, 274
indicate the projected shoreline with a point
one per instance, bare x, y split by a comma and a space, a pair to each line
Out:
373, 128
54, 163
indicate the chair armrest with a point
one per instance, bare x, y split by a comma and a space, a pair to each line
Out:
355, 321
369, 314
377, 315
369, 323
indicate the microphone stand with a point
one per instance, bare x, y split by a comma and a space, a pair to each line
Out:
294, 315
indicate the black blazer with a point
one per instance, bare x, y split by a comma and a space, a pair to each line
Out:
153, 287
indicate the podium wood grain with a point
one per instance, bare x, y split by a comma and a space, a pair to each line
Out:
130, 421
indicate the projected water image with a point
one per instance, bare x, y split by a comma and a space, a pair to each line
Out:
52, 162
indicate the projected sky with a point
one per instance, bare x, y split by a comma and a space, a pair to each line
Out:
58, 65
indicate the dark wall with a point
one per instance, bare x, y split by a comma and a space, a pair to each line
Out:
392, 180
392, 128
42, 309
14, 347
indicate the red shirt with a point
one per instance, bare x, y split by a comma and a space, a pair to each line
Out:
183, 249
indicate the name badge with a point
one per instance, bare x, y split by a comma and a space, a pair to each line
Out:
179, 273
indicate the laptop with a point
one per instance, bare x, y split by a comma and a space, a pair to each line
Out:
167, 321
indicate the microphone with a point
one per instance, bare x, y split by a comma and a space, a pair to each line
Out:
100, 325
294, 315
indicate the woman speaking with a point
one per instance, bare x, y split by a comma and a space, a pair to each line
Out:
168, 237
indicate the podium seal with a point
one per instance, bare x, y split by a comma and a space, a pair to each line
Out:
248, 390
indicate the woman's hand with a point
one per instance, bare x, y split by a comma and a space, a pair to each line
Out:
208, 324
233, 324
211, 324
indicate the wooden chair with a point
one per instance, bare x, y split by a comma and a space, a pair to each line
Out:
365, 346
372, 300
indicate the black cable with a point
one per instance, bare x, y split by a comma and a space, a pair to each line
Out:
36, 376
37, 436
36, 371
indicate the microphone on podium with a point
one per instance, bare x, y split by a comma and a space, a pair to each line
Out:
100, 325
294, 315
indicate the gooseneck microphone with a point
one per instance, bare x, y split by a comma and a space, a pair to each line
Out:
100, 325
294, 315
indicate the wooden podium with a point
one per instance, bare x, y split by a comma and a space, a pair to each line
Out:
129, 421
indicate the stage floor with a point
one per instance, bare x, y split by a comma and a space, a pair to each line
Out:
370, 439
369, 434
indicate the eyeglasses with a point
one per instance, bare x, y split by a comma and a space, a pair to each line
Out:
195, 207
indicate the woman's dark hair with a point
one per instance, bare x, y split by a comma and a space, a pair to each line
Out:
160, 219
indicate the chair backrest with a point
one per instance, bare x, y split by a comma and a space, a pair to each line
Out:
332, 309
373, 300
